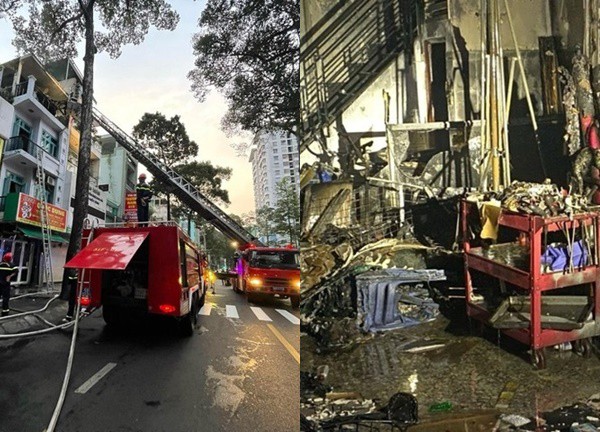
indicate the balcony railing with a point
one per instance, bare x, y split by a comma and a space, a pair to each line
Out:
21, 89
45, 101
22, 143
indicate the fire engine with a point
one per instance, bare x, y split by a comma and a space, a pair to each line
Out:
268, 271
149, 269
153, 268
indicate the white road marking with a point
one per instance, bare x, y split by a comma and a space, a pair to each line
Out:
95, 378
288, 316
260, 314
231, 312
205, 310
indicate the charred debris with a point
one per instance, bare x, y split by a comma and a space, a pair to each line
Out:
480, 97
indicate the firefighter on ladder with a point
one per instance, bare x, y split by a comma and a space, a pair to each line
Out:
7, 271
144, 193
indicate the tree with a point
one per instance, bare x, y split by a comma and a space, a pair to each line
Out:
168, 140
250, 49
218, 246
8, 6
208, 179
52, 31
287, 211
265, 222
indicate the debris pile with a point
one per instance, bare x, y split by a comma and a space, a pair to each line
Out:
580, 417
323, 410
330, 304
542, 199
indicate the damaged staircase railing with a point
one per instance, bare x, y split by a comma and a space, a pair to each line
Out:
182, 189
345, 52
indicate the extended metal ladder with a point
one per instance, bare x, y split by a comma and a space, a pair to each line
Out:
45, 227
182, 189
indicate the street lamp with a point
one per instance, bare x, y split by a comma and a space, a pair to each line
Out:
234, 244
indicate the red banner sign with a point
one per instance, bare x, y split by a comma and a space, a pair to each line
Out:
28, 212
130, 207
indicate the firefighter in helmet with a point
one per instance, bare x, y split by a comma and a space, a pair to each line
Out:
7, 271
144, 193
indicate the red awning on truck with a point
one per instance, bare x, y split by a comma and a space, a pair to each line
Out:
109, 251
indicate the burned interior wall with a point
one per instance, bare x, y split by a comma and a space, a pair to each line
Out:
311, 11
567, 18
531, 20
440, 80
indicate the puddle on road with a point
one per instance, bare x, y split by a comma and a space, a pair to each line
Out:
228, 394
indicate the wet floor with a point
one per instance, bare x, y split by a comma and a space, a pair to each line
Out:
468, 371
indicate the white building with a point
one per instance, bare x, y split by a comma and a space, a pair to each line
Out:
36, 114
274, 156
31, 119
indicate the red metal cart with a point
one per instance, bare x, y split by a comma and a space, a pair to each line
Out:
534, 281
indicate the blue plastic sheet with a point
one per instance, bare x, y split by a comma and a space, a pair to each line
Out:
557, 256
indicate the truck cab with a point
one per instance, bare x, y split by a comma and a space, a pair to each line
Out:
269, 271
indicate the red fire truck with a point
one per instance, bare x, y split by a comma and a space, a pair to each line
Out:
269, 271
148, 269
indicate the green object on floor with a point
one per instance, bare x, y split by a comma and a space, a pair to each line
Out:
440, 407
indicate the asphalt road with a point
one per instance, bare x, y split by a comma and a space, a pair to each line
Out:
234, 374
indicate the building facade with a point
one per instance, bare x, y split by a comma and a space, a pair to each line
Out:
274, 156
37, 117
117, 175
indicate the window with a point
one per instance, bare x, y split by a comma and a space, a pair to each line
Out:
50, 188
21, 128
13, 184
49, 144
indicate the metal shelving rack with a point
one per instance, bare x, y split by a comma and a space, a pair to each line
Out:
534, 282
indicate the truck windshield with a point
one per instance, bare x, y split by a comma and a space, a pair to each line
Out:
275, 259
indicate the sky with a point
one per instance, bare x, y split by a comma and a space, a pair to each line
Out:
152, 77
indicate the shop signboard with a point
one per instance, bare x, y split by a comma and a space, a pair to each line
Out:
130, 207
26, 209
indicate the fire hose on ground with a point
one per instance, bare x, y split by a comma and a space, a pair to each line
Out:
75, 323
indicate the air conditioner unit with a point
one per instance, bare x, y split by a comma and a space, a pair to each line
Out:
50, 181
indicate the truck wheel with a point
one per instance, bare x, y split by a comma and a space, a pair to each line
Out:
187, 325
111, 315
295, 301
202, 300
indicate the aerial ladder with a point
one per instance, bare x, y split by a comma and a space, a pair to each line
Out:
182, 189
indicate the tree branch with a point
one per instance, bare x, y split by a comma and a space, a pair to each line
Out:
86, 8
64, 24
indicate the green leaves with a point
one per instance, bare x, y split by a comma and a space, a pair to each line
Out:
166, 138
52, 29
249, 49
287, 211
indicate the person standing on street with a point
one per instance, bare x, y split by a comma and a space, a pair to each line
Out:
7, 271
144, 193
72, 282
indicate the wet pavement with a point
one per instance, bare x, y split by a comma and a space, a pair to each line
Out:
468, 371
